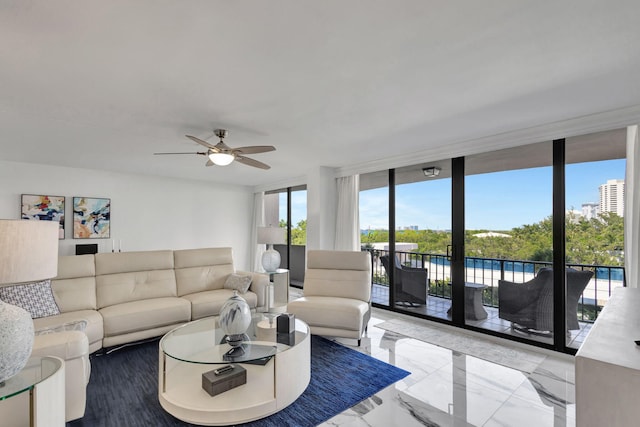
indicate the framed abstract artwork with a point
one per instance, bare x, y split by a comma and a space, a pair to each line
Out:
91, 218
44, 208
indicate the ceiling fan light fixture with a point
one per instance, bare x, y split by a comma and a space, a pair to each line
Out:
221, 159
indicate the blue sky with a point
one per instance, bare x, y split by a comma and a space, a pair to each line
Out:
494, 201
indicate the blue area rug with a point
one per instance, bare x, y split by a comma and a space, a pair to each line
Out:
123, 390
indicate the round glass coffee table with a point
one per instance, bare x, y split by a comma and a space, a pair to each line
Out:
277, 372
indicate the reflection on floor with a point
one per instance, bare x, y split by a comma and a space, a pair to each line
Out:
438, 307
449, 388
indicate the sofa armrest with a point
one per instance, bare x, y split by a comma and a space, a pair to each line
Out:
66, 345
259, 283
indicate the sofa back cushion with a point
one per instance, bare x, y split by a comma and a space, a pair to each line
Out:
200, 270
74, 288
132, 276
342, 274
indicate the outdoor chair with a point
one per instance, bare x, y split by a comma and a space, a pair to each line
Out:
529, 305
411, 283
337, 294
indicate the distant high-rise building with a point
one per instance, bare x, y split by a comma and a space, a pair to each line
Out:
612, 197
590, 210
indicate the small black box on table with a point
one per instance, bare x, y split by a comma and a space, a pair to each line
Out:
223, 379
286, 323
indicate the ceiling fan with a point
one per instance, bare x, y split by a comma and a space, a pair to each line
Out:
221, 154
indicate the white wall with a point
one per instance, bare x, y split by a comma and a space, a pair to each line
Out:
147, 213
321, 208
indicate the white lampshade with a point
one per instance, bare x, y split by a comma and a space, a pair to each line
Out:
28, 252
271, 235
221, 159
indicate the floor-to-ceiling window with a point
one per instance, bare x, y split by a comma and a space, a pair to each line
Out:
509, 241
594, 176
423, 239
287, 208
374, 233
527, 247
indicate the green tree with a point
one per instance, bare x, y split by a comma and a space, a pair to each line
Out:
596, 241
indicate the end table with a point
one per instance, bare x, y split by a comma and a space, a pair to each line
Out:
35, 396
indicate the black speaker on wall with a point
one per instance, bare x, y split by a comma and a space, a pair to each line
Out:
91, 248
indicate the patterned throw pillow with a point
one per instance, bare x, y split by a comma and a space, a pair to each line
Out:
36, 297
238, 282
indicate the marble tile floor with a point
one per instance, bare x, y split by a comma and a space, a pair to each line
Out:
453, 389
448, 388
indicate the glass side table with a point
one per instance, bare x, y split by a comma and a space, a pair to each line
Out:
35, 396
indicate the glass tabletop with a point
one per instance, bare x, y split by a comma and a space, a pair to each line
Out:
36, 370
202, 341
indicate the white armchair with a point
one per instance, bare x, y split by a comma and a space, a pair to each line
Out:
337, 294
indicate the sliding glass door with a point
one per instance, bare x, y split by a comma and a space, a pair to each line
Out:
287, 208
374, 233
524, 243
509, 241
594, 176
422, 238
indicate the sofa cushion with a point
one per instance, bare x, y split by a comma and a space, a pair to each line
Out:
113, 289
134, 276
127, 262
74, 288
238, 282
93, 329
200, 270
330, 312
74, 266
186, 258
338, 283
209, 303
345, 274
36, 298
144, 314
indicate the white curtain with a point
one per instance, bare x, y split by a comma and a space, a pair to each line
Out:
347, 215
632, 209
258, 221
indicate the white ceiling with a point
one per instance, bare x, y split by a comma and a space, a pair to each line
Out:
105, 84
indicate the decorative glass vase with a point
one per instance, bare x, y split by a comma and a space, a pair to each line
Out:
235, 318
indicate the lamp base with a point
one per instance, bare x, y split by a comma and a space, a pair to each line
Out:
270, 260
16, 339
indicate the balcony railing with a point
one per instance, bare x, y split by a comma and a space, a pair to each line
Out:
489, 271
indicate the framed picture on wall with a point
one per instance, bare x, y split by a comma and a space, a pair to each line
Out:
43, 208
91, 218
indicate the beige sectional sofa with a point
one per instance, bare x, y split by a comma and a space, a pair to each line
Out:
130, 296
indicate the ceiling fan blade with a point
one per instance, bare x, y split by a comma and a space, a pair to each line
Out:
201, 142
254, 149
209, 163
250, 162
192, 152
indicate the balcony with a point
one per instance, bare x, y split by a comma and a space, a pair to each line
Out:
488, 272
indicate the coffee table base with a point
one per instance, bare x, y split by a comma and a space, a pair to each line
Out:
269, 388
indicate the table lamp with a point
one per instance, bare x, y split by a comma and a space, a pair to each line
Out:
28, 253
271, 236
